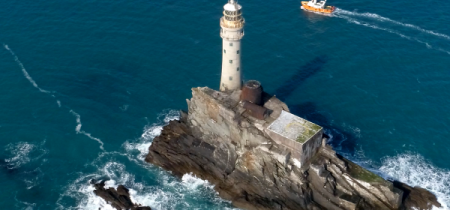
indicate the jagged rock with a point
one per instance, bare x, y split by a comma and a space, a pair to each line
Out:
118, 199
217, 141
416, 197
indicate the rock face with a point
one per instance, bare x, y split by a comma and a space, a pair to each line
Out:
218, 141
119, 199
416, 197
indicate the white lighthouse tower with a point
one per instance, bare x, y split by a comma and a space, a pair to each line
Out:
232, 31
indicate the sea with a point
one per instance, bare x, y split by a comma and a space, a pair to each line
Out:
85, 86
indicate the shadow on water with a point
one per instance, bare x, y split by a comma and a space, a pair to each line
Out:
341, 140
303, 73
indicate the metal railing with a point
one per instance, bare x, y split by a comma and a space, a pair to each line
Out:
231, 24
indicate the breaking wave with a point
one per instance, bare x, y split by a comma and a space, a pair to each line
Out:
170, 194
159, 189
409, 168
150, 132
414, 170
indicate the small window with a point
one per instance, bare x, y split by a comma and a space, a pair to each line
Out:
238, 52
237, 68
231, 78
231, 61
224, 51
231, 44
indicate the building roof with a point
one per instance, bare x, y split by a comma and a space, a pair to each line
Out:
232, 6
294, 127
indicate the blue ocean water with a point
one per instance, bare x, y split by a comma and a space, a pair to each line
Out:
86, 85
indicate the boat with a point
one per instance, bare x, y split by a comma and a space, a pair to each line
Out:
317, 6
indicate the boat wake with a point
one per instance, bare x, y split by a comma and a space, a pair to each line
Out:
381, 18
406, 31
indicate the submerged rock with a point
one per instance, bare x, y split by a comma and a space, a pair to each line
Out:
219, 142
118, 198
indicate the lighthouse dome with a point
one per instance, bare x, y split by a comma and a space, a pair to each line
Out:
232, 6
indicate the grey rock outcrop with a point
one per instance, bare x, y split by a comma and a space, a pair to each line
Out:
220, 142
118, 198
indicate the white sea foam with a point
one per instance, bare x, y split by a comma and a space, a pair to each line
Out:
193, 182
22, 153
169, 193
414, 170
377, 17
409, 168
150, 132
143, 143
79, 131
169, 115
88, 199
25, 72
83, 191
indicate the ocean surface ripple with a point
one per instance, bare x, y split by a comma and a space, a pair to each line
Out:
86, 86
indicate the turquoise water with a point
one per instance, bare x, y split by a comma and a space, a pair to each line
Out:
86, 86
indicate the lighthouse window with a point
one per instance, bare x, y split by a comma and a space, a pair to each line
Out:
231, 78
237, 68
231, 44
231, 61
238, 52
224, 51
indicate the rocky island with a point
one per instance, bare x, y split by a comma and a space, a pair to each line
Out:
260, 156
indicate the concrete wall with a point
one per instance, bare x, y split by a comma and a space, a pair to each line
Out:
301, 152
311, 147
213, 118
231, 59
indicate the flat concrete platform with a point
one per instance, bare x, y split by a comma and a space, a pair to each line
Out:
293, 127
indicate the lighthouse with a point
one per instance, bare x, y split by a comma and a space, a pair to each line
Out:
232, 31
